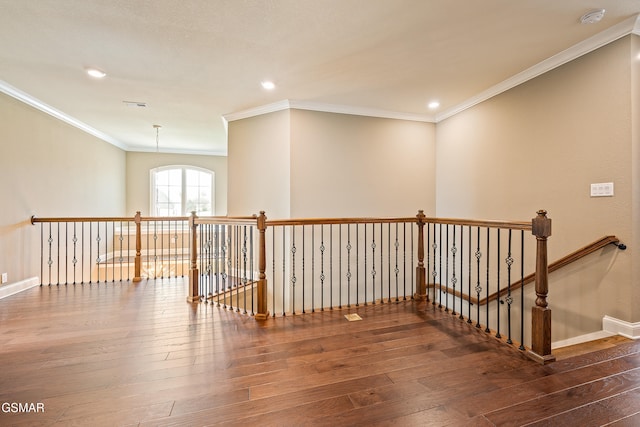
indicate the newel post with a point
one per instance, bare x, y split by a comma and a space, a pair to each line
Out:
540, 313
137, 266
262, 313
193, 270
421, 275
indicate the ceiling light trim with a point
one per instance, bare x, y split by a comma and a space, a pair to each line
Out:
624, 28
45, 108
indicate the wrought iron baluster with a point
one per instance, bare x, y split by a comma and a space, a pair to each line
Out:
75, 256
82, 252
397, 269
521, 290
404, 261
469, 277
357, 265
509, 299
440, 267
348, 265
245, 280
427, 258
322, 276
50, 259
365, 264
331, 266
381, 264
155, 249
313, 268
340, 265
390, 298
224, 264
175, 251
446, 271
98, 259
284, 275
498, 301
303, 272
237, 273
251, 269
478, 287
58, 254
217, 258
434, 273
293, 268
487, 329
454, 279
373, 262
66, 253
273, 271
461, 317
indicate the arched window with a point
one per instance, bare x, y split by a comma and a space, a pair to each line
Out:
179, 190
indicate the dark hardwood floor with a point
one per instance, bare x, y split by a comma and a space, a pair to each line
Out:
127, 354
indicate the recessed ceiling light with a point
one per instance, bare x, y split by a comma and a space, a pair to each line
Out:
268, 85
94, 72
593, 16
433, 105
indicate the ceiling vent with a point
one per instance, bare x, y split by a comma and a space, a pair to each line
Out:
135, 104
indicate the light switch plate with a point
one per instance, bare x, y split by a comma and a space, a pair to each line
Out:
602, 189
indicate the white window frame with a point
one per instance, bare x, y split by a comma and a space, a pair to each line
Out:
183, 168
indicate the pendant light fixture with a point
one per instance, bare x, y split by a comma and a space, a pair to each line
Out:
157, 128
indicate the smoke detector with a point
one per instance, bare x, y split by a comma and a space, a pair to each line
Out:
593, 16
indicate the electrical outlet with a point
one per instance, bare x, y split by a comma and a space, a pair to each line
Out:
602, 189
4, 278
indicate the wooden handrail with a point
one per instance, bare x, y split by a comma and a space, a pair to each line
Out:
513, 225
556, 265
35, 220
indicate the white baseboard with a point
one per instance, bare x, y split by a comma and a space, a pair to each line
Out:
14, 288
582, 338
621, 327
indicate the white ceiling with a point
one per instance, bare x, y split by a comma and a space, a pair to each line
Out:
197, 63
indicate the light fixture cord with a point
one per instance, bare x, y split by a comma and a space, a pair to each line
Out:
157, 140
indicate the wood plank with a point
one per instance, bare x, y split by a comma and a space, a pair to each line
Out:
84, 350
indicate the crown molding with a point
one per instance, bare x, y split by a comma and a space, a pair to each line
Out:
326, 108
626, 27
257, 111
360, 111
145, 149
39, 105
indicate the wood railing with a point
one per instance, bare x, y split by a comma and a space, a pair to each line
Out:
269, 268
103, 249
325, 264
556, 265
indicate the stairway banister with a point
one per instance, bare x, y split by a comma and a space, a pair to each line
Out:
540, 312
193, 270
262, 312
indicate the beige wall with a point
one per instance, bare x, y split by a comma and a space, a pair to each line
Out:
351, 166
49, 169
540, 146
138, 177
635, 177
259, 176
299, 163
